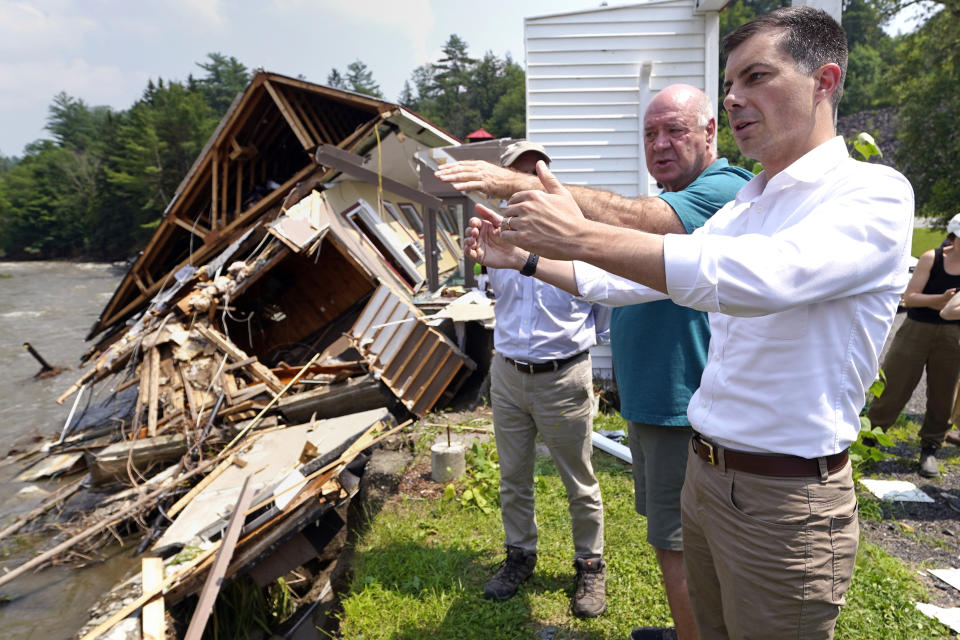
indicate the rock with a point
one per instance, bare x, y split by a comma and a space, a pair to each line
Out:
381, 477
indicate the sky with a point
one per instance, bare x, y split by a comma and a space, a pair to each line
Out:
104, 51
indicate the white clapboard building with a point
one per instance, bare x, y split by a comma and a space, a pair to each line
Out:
591, 74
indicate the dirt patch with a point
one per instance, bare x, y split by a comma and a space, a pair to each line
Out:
417, 483
924, 535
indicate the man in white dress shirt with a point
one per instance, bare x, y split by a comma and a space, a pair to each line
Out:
541, 382
801, 275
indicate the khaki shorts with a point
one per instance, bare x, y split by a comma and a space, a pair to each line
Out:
659, 465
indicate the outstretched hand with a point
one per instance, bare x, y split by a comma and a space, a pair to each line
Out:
484, 243
547, 222
477, 175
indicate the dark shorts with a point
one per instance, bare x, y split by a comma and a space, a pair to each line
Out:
659, 465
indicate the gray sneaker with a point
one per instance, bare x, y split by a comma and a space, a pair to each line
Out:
929, 468
517, 567
590, 597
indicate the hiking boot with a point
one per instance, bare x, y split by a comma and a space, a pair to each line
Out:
929, 468
590, 598
653, 633
517, 567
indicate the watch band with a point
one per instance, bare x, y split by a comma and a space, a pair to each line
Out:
530, 266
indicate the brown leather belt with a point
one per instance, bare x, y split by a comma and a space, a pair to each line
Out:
542, 367
765, 464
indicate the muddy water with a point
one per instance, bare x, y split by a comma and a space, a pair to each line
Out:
52, 305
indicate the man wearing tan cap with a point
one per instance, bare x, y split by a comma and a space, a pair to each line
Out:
541, 384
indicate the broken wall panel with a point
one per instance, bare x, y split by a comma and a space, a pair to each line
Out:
417, 362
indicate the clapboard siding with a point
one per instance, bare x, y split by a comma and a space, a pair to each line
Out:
591, 73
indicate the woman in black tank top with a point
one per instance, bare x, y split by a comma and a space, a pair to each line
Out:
926, 341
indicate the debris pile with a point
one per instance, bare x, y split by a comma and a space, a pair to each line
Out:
258, 347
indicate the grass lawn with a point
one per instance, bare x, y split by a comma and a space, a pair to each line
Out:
926, 239
421, 565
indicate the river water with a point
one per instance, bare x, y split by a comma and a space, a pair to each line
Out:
51, 305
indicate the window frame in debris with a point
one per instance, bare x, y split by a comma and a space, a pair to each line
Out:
381, 238
412, 216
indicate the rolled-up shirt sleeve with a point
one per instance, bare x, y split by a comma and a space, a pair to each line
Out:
599, 286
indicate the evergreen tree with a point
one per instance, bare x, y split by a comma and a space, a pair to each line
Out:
225, 78
335, 80
360, 79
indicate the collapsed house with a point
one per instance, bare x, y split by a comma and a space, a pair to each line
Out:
294, 306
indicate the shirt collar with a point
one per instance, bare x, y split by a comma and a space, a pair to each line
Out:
810, 167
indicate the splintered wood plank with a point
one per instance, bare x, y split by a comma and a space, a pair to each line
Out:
211, 587
257, 369
153, 397
151, 572
188, 393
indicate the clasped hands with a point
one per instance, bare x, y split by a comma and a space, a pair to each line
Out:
545, 222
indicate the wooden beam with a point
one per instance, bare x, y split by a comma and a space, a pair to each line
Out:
430, 247
153, 397
224, 209
349, 163
211, 587
318, 118
289, 116
239, 191
304, 117
260, 371
152, 621
195, 228
214, 189
136, 279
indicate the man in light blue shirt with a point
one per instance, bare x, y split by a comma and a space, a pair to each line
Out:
541, 383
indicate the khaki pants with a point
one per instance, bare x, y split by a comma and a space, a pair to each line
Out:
919, 345
767, 557
559, 406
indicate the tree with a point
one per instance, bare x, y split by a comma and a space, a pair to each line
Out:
508, 118
335, 80
406, 97
928, 112
360, 79
226, 77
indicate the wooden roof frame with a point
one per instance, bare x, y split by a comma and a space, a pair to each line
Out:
210, 202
